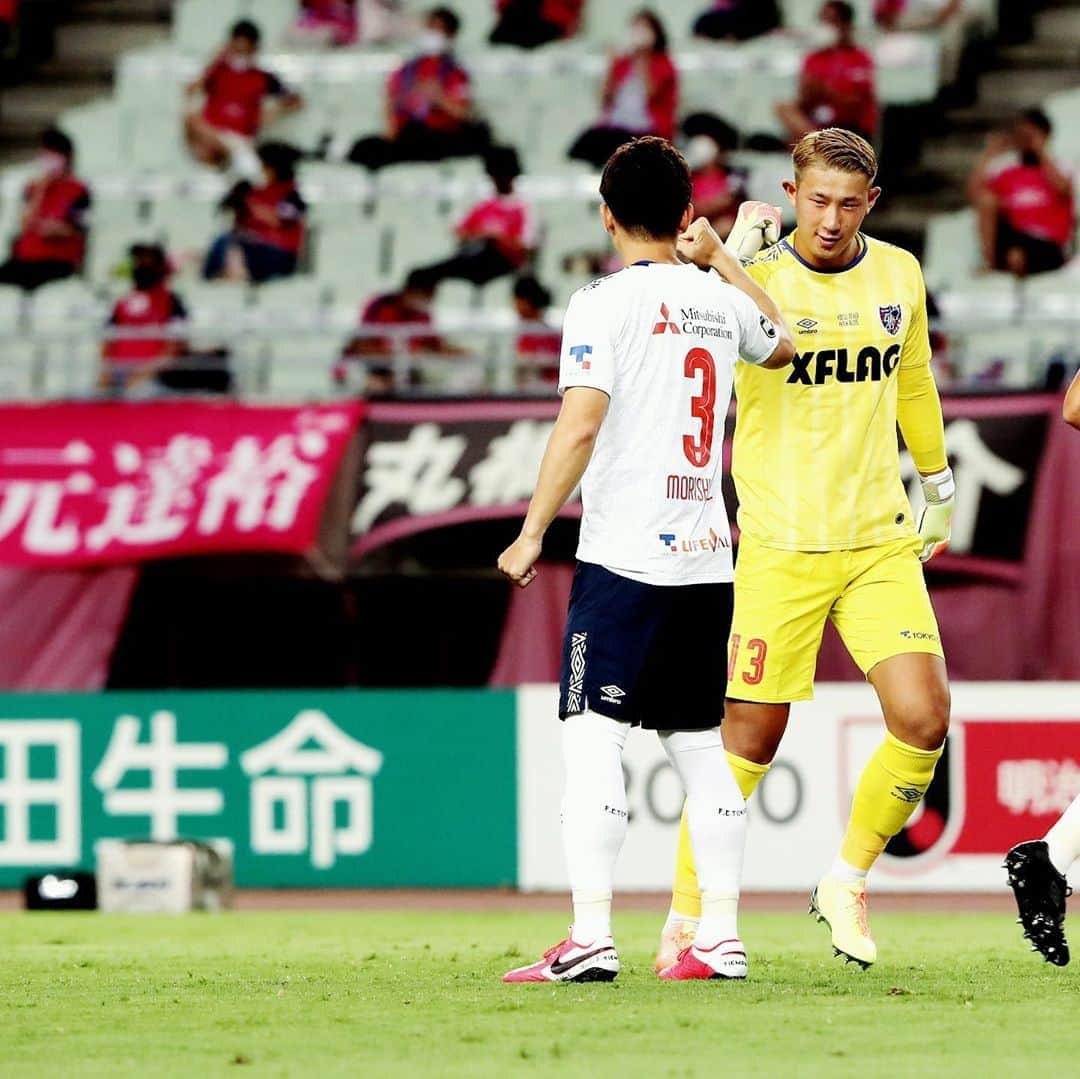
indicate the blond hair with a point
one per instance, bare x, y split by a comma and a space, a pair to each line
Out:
835, 148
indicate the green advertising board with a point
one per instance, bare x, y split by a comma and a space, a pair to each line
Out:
312, 789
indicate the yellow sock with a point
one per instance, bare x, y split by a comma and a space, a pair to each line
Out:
891, 786
686, 896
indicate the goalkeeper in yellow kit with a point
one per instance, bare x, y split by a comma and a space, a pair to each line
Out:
827, 530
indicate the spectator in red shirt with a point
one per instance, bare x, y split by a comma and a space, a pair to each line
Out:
51, 242
234, 90
408, 306
1026, 210
529, 23
717, 187
737, 20
836, 88
498, 235
268, 230
429, 113
538, 346
639, 95
326, 22
129, 361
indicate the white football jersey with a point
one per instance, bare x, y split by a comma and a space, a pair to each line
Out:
662, 342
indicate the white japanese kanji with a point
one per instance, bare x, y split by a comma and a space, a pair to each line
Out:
263, 485
508, 471
60, 792
163, 800
308, 786
975, 467
155, 506
37, 507
1037, 786
417, 472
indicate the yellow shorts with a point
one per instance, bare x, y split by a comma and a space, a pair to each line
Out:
876, 597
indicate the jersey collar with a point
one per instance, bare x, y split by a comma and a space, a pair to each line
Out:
790, 247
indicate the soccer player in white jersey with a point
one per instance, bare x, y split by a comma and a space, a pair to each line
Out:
648, 357
1038, 868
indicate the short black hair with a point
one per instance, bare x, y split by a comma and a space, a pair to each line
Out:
281, 157
56, 141
659, 33
1037, 118
448, 17
646, 186
420, 281
529, 289
246, 29
150, 252
842, 8
502, 162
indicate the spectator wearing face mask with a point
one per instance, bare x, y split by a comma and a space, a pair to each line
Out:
268, 230
429, 112
538, 346
497, 235
131, 359
737, 20
836, 88
235, 89
530, 23
51, 243
1026, 209
639, 97
717, 187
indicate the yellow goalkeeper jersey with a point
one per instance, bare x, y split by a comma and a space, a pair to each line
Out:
816, 460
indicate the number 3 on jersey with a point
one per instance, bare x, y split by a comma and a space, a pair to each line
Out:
702, 406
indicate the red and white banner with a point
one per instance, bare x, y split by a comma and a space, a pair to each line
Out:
99, 483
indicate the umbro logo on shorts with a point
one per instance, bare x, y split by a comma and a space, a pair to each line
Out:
612, 694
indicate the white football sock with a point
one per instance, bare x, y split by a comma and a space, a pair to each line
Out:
1063, 839
594, 817
716, 816
841, 870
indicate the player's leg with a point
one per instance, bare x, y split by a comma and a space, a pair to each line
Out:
716, 815
1038, 877
781, 603
609, 629
888, 625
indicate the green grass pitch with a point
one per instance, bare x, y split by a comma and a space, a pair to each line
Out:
396, 994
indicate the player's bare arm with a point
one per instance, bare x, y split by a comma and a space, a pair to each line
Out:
701, 245
1070, 410
568, 452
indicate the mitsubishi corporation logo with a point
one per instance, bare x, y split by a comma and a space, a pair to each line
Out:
665, 322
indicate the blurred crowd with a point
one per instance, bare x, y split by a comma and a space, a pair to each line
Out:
1023, 197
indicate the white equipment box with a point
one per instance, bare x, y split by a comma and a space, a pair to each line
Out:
146, 877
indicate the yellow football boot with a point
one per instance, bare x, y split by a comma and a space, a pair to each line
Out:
841, 905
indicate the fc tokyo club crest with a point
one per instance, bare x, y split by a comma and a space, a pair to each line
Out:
891, 317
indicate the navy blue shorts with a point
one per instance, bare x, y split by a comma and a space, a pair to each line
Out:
651, 655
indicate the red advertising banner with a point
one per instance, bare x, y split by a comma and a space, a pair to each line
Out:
99, 483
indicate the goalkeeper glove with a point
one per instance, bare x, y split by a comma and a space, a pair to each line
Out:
935, 521
757, 225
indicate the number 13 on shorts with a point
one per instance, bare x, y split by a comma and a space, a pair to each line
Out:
746, 661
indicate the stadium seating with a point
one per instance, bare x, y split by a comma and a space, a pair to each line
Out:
365, 233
